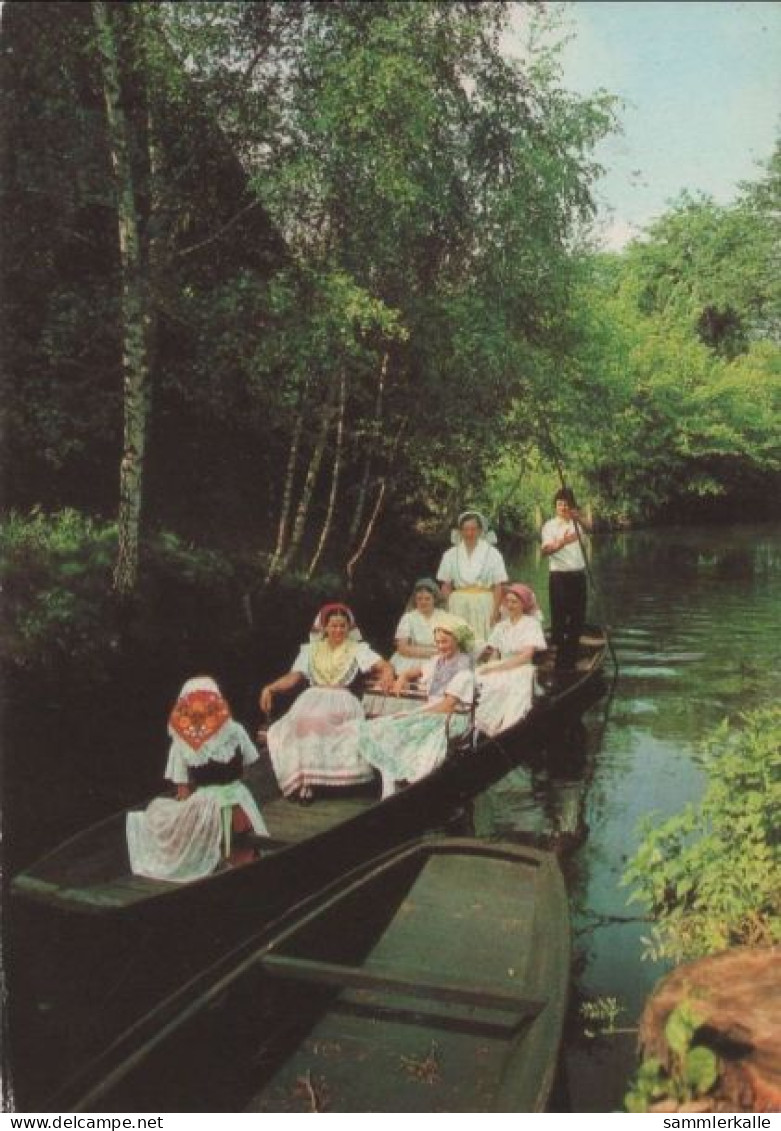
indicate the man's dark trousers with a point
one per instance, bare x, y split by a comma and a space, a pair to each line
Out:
567, 590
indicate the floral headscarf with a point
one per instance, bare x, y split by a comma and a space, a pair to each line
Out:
199, 712
459, 629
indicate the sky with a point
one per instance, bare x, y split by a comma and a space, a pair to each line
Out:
701, 83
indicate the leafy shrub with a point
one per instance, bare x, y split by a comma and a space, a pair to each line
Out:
61, 610
56, 576
711, 876
691, 1073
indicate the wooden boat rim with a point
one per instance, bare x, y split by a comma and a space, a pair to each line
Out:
28, 883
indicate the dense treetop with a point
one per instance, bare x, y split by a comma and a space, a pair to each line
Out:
367, 288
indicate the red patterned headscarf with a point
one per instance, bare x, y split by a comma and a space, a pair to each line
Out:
199, 712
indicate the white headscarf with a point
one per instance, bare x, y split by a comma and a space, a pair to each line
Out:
199, 683
486, 533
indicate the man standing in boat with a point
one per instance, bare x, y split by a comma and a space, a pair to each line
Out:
563, 544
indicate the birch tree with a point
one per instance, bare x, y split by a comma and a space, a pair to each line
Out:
133, 258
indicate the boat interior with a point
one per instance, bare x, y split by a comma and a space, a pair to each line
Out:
365, 993
92, 869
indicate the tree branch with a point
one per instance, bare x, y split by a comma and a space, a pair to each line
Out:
218, 234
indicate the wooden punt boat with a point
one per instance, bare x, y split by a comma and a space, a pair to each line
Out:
433, 979
117, 937
307, 846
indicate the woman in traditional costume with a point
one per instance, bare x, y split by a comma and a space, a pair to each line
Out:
415, 631
506, 679
301, 742
471, 574
409, 745
185, 838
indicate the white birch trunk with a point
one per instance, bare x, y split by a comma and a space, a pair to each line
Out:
287, 501
334, 475
308, 489
135, 309
360, 502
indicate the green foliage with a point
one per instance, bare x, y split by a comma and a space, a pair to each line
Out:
601, 1015
711, 876
377, 192
705, 266
60, 608
56, 575
681, 363
402, 155
691, 1073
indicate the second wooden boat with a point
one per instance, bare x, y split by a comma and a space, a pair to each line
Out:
434, 979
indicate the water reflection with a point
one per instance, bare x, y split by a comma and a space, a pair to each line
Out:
544, 800
695, 617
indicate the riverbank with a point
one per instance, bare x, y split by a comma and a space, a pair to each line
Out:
710, 879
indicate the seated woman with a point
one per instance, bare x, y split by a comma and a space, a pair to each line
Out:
409, 745
415, 631
506, 682
300, 743
184, 838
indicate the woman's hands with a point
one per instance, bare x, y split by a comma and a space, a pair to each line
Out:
515, 661
402, 682
183, 791
284, 683
385, 676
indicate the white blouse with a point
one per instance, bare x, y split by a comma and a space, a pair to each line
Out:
484, 566
221, 747
509, 639
569, 558
414, 628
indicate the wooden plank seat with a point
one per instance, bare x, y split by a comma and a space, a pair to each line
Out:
375, 984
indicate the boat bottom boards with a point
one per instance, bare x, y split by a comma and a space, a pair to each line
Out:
387, 1051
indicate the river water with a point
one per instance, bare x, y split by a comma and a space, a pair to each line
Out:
694, 617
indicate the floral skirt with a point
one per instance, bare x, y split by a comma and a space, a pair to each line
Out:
305, 744
183, 840
405, 746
